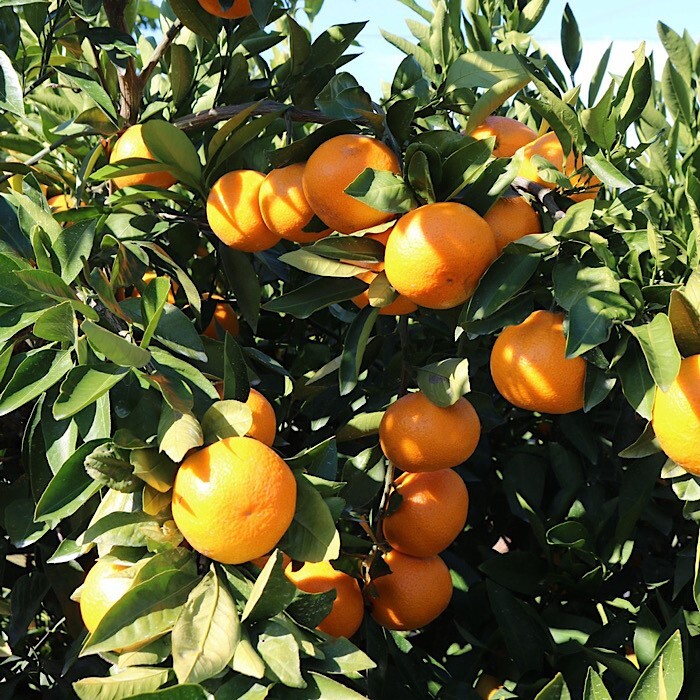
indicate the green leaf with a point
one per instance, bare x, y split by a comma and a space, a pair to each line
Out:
171, 146
225, 419
602, 168
114, 347
316, 295
92, 88
84, 385
280, 651
664, 677
153, 299
196, 18
677, 95
236, 384
178, 433
57, 323
47, 283
153, 467
20, 525
11, 94
590, 320
146, 611
206, 632
312, 536
677, 50
571, 43
594, 688
382, 190
37, 373
243, 281
301, 150
556, 689
354, 348
124, 684
445, 382
74, 244
272, 592
110, 466
305, 260
501, 282
659, 348
188, 691
323, 688
352, 248
70, 488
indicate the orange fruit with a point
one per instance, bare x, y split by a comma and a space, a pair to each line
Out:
151, 275
432, 513
284, 206
102, 588
261, 561
345, 617
223, 320
233, 500
511, 218
264, 426
413, 594
436, 254
418, 436
233, 212
676, 416
400, 306
264, 419
530, 369
62, 202
332, 167
550, 148
487, 686
131, 145
239, 8
510, 134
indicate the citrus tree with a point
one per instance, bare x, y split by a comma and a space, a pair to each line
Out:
309, 396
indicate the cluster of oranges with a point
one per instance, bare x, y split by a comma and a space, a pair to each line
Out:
233, 500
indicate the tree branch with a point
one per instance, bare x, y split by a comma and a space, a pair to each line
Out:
159, 52
544, 195
219, 114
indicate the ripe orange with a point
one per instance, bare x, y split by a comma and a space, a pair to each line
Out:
223, 320
400, 306
239, 8
264, 426
431, 515
510, 134
131, 145
264, 420
284, 206
234, 500
413, 594
62, 202
676, 416
530, 369
233, 212
102, 588
418, 436
487, 686
348, 609
332, 167
511, 218
436, 254
549, 147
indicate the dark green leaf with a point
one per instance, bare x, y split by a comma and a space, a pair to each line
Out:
354, 348
316, 295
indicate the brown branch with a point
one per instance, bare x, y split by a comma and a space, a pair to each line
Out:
219, 114
159, 52
544, 195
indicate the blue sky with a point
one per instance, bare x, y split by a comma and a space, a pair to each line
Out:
624, 22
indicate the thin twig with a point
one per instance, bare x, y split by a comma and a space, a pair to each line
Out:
201, 120
48, 149
544, 195
159, 52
